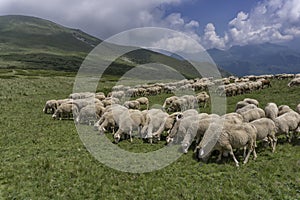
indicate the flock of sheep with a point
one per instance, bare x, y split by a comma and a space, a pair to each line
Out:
180, 119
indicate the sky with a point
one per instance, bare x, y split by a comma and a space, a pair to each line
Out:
213, 23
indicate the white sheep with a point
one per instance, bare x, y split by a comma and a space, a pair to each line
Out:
266, 129
130, 121
253, 114
271, 111
294, 82
232, 136
143, 101
132, 104
283, 109
65, 110
251, 101
287, 124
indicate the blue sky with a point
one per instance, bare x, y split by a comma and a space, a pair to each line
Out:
219, 12
213, 23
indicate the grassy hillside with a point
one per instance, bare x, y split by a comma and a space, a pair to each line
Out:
45, 159
33, 43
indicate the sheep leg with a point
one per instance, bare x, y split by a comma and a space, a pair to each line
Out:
248, 155
130, 135
233, 156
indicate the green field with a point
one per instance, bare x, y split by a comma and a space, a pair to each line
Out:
44, 159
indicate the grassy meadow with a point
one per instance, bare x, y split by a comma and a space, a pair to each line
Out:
43, 158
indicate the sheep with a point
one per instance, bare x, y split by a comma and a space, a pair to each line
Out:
61, 101
246, 108
130, 120
283, 109
89, 114
203, 97
81, 95
65, 110
155, 121
271, 111
240, 105
178, 105
132, 104
294, 82
110, 118
251, 101
287, 124
143, 101
265, 130
50, 105
110, 101
232, 136
169, 100
189, 128
253, 114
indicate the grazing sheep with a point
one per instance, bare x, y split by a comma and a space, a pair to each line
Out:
132, 104
232, 136
253, 114
155, 122
294, 82
283, 109
246, 108
271, 111
251, 101
203, 98
266, 129
65, 110
143, 101
89, 114
110, 119
108, 101
287, 124
61, 101
50, 105
169, 101
130, 121
240, 105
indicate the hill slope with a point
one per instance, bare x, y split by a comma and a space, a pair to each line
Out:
33, 43
257, 59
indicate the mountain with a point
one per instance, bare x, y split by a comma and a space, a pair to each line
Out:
34, 43
257, 59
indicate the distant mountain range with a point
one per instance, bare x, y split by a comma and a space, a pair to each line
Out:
257, 59
34, 43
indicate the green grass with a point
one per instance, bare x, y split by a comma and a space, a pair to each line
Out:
45, 159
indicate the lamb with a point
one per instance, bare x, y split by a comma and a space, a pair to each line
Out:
283, 109
287, 124
143, 101
50, 105
253, 114
271, 111
65, 110
132, 104
265, 130
294, 82
130, 120
232, 136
